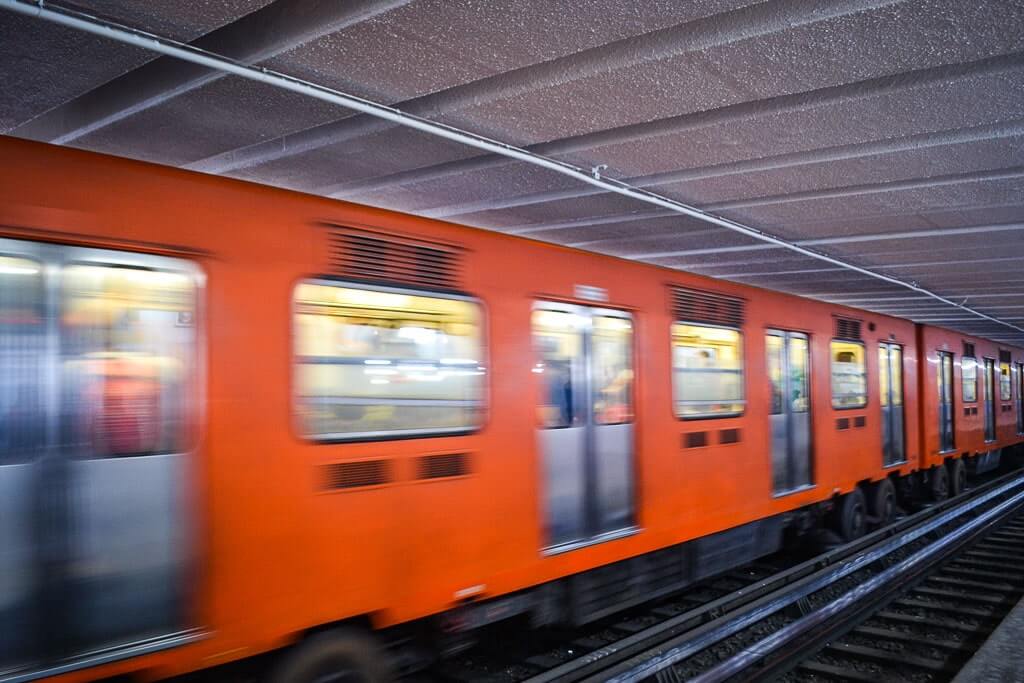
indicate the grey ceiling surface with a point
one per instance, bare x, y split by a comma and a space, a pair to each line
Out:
887, 133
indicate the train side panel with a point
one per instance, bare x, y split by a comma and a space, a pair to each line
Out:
288, 541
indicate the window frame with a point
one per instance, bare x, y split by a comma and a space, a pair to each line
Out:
395, 435
963, 397
742, 401
866, 374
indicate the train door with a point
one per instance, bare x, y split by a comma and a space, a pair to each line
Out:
585, 361
101, 534
990, 399
788, 368
890, 373
1019, 367
945, 390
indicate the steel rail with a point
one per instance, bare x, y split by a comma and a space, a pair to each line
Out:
684, 624
911, 566
172, 48
666, 654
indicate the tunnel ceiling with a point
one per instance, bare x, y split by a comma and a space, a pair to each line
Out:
885, 133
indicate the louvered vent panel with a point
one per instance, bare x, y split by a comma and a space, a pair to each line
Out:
695, 439
692, 305
440, 466
350, 475
969, 349
847, 329
729, 436
1004, 357
385, 258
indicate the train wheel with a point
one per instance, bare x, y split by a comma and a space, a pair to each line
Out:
882, 502
339, 656
851, 518
938, 478
957, 477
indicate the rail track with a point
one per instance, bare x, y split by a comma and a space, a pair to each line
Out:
911, 601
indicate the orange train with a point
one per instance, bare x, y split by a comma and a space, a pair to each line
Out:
235, 419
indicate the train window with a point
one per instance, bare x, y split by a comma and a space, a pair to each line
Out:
559, 340
883, 375
1005, 392
128, 344
707, 371
374, 363
22, 341
849, 377
969, 379
612, 342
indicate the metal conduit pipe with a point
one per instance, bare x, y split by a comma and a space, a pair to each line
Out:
113, 31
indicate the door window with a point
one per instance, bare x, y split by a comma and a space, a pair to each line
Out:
990, 399
612, 339
945, 394
890, 374
128, 336
1019, 369
559, 345
22, 344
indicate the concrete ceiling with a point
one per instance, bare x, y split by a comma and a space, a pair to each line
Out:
886, 133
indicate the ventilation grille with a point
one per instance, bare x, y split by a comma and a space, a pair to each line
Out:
351, 475
847, 329
441, 466
728, 436
384, 258
843, 423
691, 305
969, 349
1005, 357
695, 440
860, 421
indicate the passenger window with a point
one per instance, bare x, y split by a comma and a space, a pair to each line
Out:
849, 378
22, 340
383, 363
613, 370
707, 371
128, 348
969, 379
1004, 382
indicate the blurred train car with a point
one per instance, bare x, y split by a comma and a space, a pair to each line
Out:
974, 411
235, 419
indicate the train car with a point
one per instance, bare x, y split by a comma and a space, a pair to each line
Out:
236, 418
974, 411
